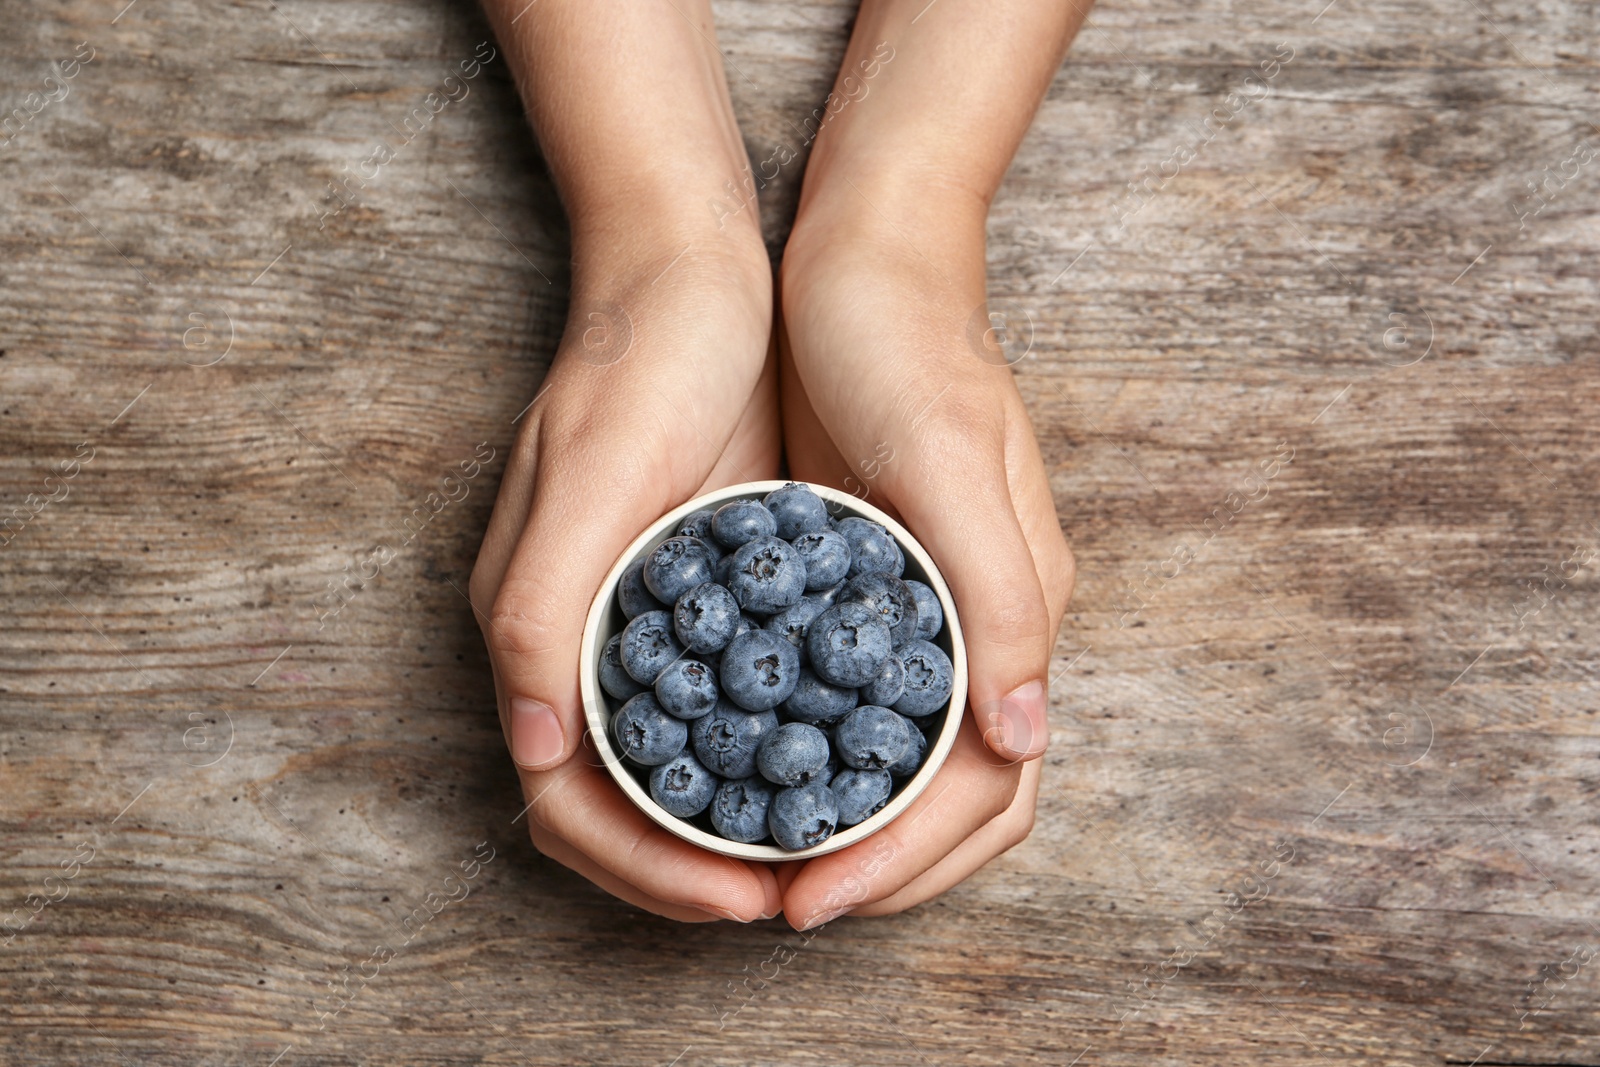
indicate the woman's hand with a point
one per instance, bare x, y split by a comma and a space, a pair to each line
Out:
663, 387
893, 386
660, 391
884, 394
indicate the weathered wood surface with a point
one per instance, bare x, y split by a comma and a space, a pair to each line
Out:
1349, 676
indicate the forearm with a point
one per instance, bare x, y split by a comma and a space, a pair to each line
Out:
926, 145
631, 109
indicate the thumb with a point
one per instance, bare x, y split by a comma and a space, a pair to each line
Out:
590, 498
955, 497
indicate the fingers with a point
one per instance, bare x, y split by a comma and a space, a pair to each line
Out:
1036, 513
758, 437
969, 791
572, 859
579, 805
998, 835
952, 484
592, 495
810, 449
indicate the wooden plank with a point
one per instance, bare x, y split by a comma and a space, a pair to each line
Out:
1351, 671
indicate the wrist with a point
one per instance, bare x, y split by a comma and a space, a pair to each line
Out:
874, 229
669, 281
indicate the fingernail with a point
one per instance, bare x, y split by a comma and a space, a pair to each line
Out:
823, 917
1018, 729
536, 736
724, 912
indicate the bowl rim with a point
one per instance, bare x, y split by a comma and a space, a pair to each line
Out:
597, 714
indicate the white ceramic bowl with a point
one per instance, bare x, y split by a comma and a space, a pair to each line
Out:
606, 620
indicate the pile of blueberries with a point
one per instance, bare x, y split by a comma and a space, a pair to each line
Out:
777, 676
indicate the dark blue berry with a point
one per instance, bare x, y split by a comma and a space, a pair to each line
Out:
648, 645
698, 526
613, 679
930, 613
726, 740
739, 810
848, 644
687, 689
705, 618
907, 765
676, 566
792, 623
738, 522
767, 576
632, 596
887, 685
872, 549
803, 816
929, 679
682, 786
797, 509
871, 738
723, 570
645, 733
860, 794
826, 555
793, 754
759, 670
817, 702
890, 598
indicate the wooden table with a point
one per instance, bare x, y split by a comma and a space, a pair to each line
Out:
1359, 694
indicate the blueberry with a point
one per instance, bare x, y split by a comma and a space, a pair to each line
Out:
739, 810
872, 549
698, 526
723, 570
848, 644
871, 738
817, 702
899, 568
738, 522
891, 598
686, 688
830, 595
792, 623
676, 566
797, 509
648, 645
745, 624
830, 770
726, 740
613, 679
860, 794
930, 613
826, 555
645, 733
759, 670
929, 679
632, 596
705, 618
887, 685
767, 575
907, 765
803, 816
682, 786
793, 754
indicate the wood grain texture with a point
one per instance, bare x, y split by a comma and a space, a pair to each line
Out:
1342, 680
